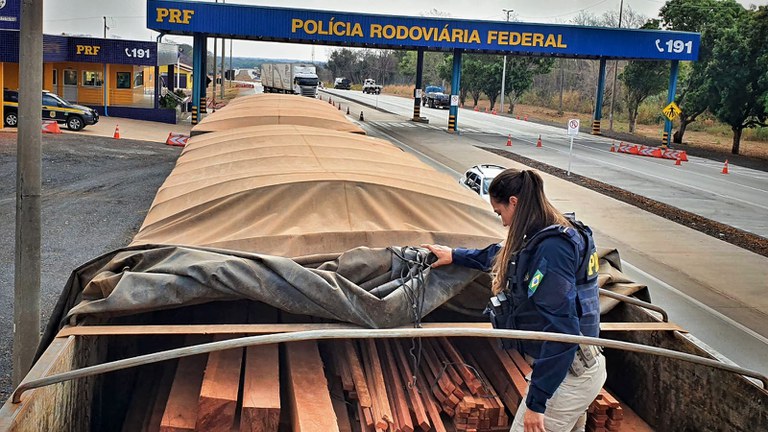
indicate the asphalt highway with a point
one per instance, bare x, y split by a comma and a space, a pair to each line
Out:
738, 199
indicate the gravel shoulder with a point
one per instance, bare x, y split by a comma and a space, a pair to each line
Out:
95, 194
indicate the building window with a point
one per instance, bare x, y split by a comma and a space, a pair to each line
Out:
123, 80
92, 79
138, 79
55, 77
70, 77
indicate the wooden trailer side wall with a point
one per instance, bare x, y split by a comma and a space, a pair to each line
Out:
672, 395
58, 407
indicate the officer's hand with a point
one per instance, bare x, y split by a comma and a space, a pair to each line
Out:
533, 421
444, 254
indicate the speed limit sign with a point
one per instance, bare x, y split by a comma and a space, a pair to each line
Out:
573, 127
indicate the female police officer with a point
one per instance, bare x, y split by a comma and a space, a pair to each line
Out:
546, 271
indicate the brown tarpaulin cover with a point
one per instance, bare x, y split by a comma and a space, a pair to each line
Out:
276, 109
295, 191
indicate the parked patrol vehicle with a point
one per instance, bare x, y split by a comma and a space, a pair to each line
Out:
76, 117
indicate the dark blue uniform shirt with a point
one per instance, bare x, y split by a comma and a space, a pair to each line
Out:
554, 300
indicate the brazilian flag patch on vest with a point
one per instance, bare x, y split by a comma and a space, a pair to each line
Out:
534, 283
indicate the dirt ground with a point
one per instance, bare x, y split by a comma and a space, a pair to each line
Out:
95, 190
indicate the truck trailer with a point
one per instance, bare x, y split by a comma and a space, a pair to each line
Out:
271, 287
293, 78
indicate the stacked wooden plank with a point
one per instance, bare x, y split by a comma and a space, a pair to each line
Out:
393, 392
604, 414
386, 385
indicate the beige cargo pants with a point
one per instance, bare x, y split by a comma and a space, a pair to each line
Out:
566, 410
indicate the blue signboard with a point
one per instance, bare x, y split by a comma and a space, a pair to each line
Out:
385, 31
10, 14
114, 51
92, 50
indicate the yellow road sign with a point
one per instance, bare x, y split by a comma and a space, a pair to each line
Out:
671, 111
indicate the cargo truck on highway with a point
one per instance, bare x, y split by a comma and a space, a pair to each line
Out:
293, 78
278, 247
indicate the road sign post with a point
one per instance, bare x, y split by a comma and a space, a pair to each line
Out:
573, 130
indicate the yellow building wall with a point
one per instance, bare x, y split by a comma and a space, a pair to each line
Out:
85, 94
11, 76
48, 77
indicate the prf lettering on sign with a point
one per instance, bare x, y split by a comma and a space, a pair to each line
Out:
90, 50
174, 16
594, 264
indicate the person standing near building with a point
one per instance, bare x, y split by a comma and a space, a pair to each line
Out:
544, 279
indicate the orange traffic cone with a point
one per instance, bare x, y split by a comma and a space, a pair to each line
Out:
362, 118
330, 101
518, 117
51, 127
347, 110
117, 132
509, 140
525, 118
538, 142
613, 149
678, 161
725, 167
476, 108
494, 111
486, 110
339, 107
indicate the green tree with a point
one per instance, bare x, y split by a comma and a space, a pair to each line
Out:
738, 97
710, 18
520, 74
642, 80
345, 63
432, 61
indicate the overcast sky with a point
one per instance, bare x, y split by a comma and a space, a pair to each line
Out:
127, 18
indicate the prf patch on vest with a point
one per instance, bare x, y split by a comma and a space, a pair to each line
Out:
594, 265
534, 283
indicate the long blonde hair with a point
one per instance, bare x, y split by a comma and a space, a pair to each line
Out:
533, 212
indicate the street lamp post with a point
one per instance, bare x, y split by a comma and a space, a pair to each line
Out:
504, 68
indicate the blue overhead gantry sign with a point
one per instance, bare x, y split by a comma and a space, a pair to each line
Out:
438, 34
207, 19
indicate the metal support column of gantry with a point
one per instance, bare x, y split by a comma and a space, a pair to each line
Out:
670, 98
453, 125
417, 90
599, 99
197, 71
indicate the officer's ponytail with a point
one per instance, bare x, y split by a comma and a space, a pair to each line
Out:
533, 212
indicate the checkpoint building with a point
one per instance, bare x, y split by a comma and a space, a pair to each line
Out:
113, 76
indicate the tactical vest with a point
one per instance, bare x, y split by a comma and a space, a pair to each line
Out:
521, 313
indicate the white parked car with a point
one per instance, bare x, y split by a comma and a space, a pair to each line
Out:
479, 178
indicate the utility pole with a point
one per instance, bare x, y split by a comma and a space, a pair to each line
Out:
504, 68
615, 73
105, 27
26, 299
